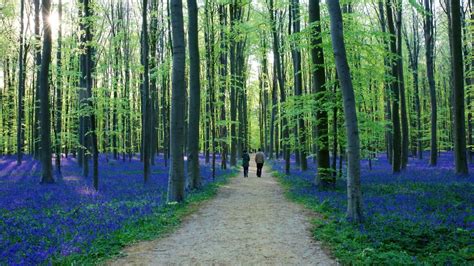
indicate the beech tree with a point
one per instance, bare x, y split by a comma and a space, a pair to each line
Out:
176, 183
354, 195
195, 97
319, 88
457, 65
45, 118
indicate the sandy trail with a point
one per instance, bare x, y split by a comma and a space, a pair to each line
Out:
249, 222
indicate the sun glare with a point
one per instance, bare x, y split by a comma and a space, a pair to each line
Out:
54, 20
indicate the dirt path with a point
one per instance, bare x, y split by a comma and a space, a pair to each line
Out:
248, 222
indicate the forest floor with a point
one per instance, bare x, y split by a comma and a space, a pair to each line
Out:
249, 222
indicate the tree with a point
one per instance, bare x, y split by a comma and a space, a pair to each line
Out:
318, 76
195, 97
458, 89
59, 102
354, 195
429, 54
281, 84
414, 47
45, 120
395, 93
145, 91
401, 87
298, 86
87, 131
36, 123
176, 183
21, 87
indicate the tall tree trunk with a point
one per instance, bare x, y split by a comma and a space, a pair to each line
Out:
414, 54
36, 101
21, 88
195, 97
318, 87
223, 83
210, 74
59, 101
45, 120
470, 106
176, 185
354, 195
429, 52
281, 84
145, 90
387, 88
401, 88
397, 138
458, 90
298, 83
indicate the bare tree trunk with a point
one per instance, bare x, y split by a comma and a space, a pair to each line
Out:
319, 88
59, 101
401, 88
397, 137
176, 185
195, 97
45, 120
145, 90
20, 137
36, 101
429, 43
281, 84
223, 82
354, 195
458, 88
298, 83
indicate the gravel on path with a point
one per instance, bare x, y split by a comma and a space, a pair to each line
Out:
249, 222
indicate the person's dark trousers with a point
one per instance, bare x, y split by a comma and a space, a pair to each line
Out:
246, 171
259, 169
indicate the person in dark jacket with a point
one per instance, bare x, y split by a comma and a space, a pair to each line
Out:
245, 163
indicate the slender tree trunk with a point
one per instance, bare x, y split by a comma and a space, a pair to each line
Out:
210, 72
318, 87
387, 88
176, 185
298, 83
401, 88
458, 90
36, 101
223, 83
195, 97
429, 50
470, 106
145, 90
21, 88
281, 84
59, 101
274, 108
397, 137
45, 120
354, 195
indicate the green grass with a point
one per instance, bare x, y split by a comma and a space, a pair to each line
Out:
163, 220
392, 246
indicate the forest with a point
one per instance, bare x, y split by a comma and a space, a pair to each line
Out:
119, 117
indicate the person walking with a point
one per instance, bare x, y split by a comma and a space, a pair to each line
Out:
245, 163
260, 160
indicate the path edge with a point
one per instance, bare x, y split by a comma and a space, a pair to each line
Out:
164, 221
315, 216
